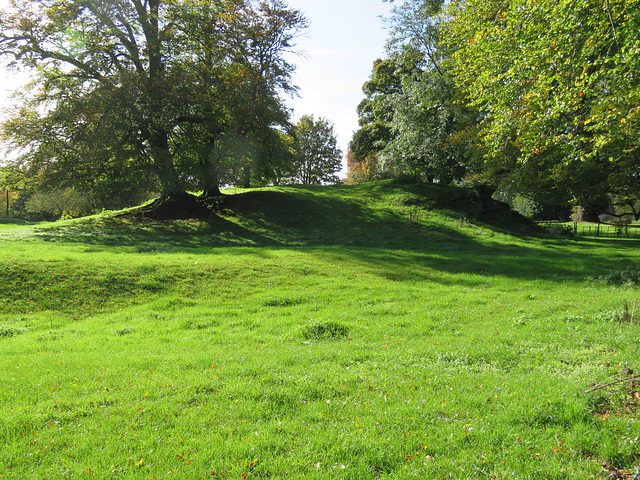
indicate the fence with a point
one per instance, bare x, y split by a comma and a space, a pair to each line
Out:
600, 229
607, 230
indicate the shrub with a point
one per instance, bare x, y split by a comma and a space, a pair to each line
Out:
628, 277
56, 204
559, 230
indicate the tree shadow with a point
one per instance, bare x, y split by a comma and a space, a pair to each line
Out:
345, 228
155, 236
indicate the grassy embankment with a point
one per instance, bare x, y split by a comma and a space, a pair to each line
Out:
359, 332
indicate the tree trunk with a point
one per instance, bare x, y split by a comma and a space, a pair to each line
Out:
246, 176
210, 173
210, 191
163, 165
590, 214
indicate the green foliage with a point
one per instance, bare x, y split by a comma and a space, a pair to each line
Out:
426, 123
412, 118
558, 85
559, 230
317, 156
375, 112
55, 204
129, 96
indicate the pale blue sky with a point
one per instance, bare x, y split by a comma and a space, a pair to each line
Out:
343, 40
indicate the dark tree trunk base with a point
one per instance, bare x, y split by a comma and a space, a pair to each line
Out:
177, 206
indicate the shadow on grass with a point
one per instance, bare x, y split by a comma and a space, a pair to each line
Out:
370, 227
157, 236
265, 219
15, 221
471, 263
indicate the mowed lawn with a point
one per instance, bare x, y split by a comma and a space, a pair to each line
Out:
381, 340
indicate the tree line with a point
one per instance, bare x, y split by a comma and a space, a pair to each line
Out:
538, 100
135, 97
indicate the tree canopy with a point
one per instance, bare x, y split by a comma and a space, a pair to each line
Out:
150, 91
410, 118
558, 85
538, 99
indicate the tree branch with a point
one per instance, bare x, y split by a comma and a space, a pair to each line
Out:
600, 386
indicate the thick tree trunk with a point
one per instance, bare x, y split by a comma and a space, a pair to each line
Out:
591, 213
176, 206
211, 191
163, 165
210, 174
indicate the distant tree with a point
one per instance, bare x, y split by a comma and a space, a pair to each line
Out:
318, 157
360, 171
411, 119
56, 203
428, 125
281, 165
146, 89
375, 111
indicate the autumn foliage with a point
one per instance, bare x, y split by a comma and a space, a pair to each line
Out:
359, 171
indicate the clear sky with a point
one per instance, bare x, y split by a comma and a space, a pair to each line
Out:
343, 40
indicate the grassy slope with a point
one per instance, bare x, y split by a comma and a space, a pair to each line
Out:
376, 331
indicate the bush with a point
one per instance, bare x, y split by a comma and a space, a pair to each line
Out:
55, 204
559, 230
629, 277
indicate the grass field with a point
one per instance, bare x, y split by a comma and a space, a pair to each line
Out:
376, 331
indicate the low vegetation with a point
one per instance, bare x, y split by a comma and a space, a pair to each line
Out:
372, 331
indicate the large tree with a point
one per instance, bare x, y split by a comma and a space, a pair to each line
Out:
131, 87
411, 118
559, 87
375, 111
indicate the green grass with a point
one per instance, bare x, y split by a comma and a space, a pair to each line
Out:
364, 332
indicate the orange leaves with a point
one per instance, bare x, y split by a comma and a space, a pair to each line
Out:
184, 460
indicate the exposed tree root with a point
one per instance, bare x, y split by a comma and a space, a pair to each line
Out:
177, 206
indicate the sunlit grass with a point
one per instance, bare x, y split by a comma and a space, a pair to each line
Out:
163, 351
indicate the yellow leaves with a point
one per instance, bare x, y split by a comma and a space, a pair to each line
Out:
139, 462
